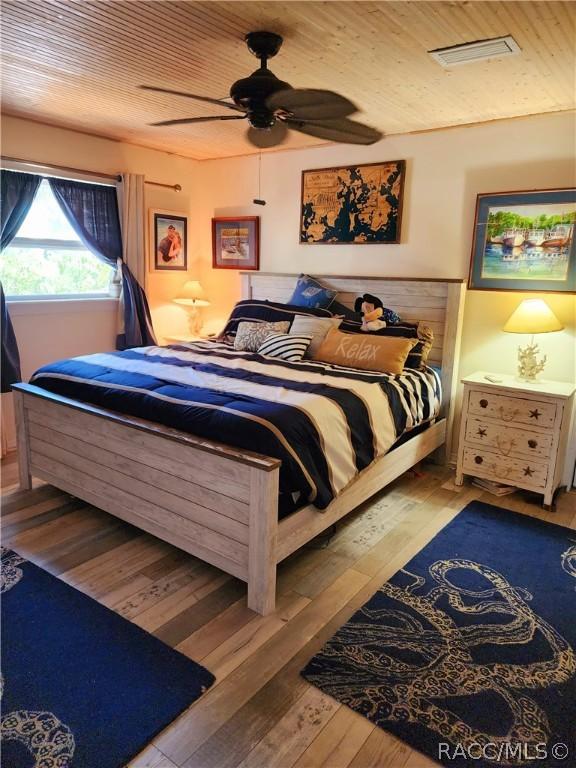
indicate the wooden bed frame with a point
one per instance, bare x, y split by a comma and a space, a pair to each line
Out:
209, 499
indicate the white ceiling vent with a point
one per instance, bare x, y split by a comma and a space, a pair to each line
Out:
478, 51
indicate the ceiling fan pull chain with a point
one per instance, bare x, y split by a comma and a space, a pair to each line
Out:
258, 200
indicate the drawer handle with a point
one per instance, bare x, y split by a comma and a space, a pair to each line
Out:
532, 443
478, 459
483, 403
500, 443
510, 416
500, 470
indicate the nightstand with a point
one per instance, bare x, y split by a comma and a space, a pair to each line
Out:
184, 338
515, 432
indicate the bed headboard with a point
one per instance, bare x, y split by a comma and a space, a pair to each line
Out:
440, 303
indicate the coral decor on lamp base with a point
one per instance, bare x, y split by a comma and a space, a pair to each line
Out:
528, 364
192, 295
195, 321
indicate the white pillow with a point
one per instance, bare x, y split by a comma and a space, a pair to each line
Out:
286, 346
317, 327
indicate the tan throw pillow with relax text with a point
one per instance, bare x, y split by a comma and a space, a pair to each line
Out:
386, 354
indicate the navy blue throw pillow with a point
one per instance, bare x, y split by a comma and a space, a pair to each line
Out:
256, 310
311, 293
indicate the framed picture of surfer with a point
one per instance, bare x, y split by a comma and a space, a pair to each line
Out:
169, 241
236, 243
524, 241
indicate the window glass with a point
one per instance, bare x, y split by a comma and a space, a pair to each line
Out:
48, 259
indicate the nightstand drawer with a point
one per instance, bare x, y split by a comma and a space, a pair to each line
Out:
525, 472
508, 440
515, 410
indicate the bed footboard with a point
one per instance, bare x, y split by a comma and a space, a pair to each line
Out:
213, 501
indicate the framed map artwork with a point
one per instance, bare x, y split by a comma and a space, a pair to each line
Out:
353, 203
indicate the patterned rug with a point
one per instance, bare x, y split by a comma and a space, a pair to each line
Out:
467, 653
82, 687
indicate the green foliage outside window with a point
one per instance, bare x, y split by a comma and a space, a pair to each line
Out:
44, 271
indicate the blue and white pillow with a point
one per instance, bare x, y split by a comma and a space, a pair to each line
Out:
286, 346
310, 293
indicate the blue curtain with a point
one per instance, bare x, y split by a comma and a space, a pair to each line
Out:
17, 194
10, 356
92, 210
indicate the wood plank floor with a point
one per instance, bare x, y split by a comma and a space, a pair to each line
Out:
260, 713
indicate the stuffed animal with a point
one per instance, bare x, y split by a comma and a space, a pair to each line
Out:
372, 310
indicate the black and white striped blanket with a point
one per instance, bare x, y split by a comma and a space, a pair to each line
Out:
326, 423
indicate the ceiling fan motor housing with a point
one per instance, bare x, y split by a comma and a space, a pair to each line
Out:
252, 92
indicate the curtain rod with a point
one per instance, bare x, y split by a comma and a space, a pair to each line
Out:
115, 177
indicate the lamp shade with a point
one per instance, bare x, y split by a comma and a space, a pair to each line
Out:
191, 294
532, 316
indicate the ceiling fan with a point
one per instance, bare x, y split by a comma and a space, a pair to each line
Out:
272, 106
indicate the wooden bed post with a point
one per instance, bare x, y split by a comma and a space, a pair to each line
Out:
262, 543
22, 442
451, 363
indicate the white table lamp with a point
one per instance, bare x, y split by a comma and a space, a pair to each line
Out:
192, 295
531, 316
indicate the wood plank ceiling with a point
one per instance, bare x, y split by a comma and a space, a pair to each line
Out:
76, 63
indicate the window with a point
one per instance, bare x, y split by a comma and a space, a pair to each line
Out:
47, 259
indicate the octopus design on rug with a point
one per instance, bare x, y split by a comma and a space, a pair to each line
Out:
568, 561
10, 574
397, 670
48, 740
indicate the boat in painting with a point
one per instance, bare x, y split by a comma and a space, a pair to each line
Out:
535, 237
558, 237
512, 238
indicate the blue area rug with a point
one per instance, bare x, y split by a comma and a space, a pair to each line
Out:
83, 687
467, 653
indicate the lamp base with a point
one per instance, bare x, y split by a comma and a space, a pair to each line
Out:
528, 364
195, 321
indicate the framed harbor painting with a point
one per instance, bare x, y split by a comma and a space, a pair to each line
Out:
524, 241
353, 204
169, 241
236, 242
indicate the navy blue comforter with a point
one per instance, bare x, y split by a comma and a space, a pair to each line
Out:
326, 423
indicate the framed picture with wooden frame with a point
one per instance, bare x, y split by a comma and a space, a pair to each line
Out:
168, 241
353, 204
236, 242
524, 241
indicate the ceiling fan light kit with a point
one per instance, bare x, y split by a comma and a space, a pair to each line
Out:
273, 106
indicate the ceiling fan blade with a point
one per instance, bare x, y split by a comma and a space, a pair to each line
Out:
207, 99
190, 120
311, 104
267, 137
343, 131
